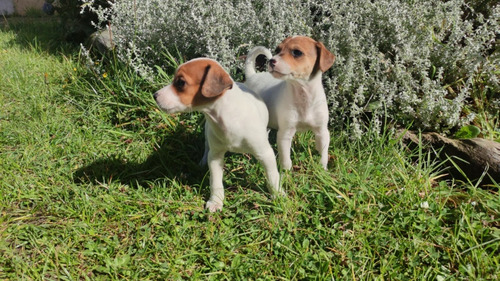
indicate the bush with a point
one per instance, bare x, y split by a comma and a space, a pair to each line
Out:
416, 62
77, 24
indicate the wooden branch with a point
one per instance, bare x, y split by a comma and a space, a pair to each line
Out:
473, 156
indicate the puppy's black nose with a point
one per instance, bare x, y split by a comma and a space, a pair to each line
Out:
272, 62
155, 95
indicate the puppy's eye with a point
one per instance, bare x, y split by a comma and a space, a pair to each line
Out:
179, 83
278, 50
296, 53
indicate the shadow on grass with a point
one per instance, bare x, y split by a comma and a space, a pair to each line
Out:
175, 159
42, 33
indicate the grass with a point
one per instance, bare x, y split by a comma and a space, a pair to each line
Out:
97, 184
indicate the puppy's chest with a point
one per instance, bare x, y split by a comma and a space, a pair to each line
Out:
228, 136
305, 120
307, 113
304, 108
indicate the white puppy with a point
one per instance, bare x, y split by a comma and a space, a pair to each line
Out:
236, 120
293, 92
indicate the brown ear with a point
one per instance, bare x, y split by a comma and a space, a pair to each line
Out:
216, 81
325, 57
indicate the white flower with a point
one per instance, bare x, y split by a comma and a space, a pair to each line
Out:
424, 205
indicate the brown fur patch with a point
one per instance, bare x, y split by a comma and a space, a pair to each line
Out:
314, 55
201, 81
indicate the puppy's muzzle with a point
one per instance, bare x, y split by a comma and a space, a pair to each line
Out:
272, 63
155, 96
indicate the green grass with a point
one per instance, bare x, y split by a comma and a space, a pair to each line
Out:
97, 184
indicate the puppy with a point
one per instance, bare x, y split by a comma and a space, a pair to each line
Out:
236, 119
293, 92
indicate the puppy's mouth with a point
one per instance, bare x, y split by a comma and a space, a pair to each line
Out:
169, 109
285, 76
177, 109
276, 74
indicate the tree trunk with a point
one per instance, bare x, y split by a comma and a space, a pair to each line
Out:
473, 157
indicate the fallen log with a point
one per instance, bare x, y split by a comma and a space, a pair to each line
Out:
476, 158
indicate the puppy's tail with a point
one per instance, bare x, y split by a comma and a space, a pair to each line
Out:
252, 56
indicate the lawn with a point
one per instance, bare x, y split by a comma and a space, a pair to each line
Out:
97, 184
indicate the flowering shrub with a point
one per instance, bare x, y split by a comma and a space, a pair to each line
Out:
415, 62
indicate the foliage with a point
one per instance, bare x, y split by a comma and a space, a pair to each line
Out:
77, 24
416, 62
467, 132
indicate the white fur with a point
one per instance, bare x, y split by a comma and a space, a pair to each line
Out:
168, 101
295, 103
236, 122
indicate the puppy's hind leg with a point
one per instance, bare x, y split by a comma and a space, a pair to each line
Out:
204, 159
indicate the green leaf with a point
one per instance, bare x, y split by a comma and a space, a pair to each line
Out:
468, 132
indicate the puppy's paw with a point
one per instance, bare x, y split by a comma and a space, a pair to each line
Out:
286, 165
324, 163
280, 193
213, 206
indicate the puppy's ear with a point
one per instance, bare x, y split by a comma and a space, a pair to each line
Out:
325, 57
216, 81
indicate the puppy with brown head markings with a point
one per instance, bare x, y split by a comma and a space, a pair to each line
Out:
293, 92
236, 120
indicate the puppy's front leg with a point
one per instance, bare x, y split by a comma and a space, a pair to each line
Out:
284, 140
322, 138
268, 160
216, 166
